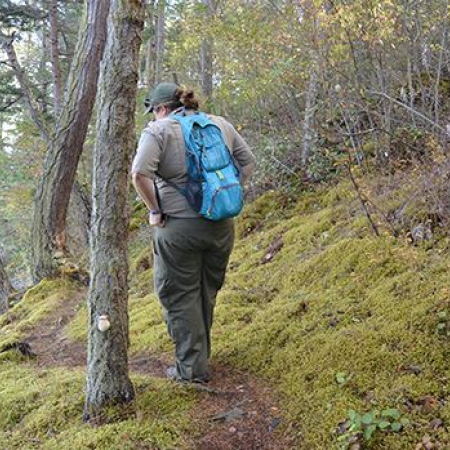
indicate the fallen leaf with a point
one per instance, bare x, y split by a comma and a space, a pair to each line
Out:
436, 423
429, 404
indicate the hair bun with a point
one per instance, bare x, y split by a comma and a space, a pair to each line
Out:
188, 99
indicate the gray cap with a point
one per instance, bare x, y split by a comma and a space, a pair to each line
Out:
162, 93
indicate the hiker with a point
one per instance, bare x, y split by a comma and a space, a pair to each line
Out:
191, 252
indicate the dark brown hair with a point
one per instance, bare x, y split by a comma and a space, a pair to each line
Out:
183, 98
187, 98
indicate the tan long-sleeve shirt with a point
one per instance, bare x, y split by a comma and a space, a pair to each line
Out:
161, 149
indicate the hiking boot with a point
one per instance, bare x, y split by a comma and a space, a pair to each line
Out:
172, 374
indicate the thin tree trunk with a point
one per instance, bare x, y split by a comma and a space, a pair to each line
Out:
55, 59
439, 74
53, 193
160, 40
207, 67
309, 133
150, 50
8, 47
78, 222
108, 382
207, 54
5, 289
2, 144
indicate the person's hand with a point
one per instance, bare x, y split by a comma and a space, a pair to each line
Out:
156, 219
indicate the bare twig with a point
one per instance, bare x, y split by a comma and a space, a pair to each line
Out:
412, 110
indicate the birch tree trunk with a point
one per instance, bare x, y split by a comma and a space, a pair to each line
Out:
5, 289
108, 382
64, 151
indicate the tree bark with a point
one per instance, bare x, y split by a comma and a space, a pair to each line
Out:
54, 55
150, 50
64, 151
108, 382
160, 40
5, 289
38, 119
207, 54
309, 132
78, 222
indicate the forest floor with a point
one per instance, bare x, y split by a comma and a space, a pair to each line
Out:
234, 410
325, 337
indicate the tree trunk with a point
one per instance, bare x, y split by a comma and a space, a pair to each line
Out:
78, 222
309, 133
108, 382
5, 289
160, 40
207, 54
54, 54
2, 143
53, 193
7, 45
150, 50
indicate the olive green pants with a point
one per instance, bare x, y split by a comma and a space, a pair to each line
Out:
191, 256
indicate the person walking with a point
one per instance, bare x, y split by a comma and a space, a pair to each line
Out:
191, 253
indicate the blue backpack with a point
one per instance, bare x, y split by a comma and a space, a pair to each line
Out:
213, 187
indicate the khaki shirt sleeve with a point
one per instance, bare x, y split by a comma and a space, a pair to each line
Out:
241, 151
149, 151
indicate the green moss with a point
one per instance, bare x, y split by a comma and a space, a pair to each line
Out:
147, 329
139, 216
259, 212
333, 299
44, 409
76, 330
143, 261
38, 302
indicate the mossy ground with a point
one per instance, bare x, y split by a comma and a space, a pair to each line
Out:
43, 409
333, 299
37, 303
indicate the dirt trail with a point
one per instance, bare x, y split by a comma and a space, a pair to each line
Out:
234, 411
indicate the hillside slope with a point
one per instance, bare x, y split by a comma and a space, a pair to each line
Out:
331, 317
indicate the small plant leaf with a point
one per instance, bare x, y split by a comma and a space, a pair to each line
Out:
396, 426
442, 315
391, 412
384, 424
367, 419
352, 414
368, 432
405, 421
441, 326
341, 377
